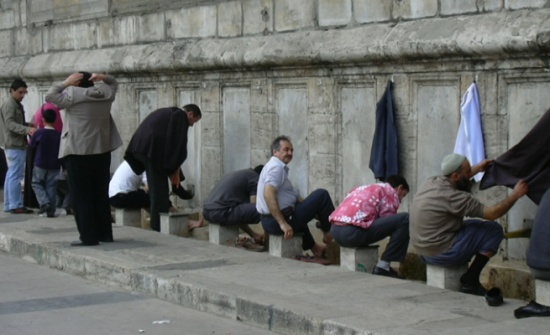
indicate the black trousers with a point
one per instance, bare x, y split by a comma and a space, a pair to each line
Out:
136, 199
157, 181
88, 178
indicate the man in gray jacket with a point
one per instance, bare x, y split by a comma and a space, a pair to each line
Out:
13, 132
88, 137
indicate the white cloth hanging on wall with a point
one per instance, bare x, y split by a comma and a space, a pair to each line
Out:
469, 140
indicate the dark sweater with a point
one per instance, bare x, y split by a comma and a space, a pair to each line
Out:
46, 143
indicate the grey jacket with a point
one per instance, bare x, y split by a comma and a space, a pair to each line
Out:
13, 128
88, 128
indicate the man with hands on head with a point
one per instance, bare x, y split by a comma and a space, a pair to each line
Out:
89, 135
438, 230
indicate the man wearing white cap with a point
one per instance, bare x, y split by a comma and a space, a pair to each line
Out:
438, 230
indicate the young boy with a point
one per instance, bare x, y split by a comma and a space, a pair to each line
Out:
46, 164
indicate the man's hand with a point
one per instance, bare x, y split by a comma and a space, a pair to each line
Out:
481, 166
31, 130
97, 77
175, 177
73, 79
287, 230
520, 189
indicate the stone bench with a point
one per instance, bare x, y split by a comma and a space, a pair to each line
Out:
220, 234
128, 217
174, 223
359, 259
445, 277
280, 247
542, 292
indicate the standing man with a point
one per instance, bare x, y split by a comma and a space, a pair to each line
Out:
88, 137
159, 147
13, 132
369, 214
282, 209
438, 230
232, 201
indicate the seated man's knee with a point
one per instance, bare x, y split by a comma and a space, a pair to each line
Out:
495, 229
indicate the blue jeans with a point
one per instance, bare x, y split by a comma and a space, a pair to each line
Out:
475, 236
13, 198
44, 185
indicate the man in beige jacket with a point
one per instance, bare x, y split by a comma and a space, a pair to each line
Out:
88, 137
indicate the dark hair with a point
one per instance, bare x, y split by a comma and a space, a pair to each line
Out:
258, 169
17, 84
193, 109
396, 180
85, 82
49, 115
276, 144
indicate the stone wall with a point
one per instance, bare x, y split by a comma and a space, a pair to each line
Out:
311, 69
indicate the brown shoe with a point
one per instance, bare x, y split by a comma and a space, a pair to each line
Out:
22, 210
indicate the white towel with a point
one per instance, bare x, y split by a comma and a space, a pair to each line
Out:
469, 140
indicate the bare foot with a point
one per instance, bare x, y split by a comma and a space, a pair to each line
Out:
195, 224
319, 251
258, 239
327, 237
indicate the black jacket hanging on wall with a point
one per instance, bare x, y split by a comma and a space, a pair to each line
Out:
528, 160
384, 151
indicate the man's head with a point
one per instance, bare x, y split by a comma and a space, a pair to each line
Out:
400, 184
193, 113
85, 82
49, 116
258, 169
281, 147
458, 169
18, 89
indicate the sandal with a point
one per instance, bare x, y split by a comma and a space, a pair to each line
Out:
246, 243
311, 259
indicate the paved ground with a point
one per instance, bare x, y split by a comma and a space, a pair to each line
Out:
281, 295
38, 300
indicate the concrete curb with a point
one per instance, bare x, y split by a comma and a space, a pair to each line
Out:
274, 318
280, 295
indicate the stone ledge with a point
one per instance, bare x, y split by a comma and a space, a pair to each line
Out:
492, 35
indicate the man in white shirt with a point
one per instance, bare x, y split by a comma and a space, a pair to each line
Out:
281, 208
127, 189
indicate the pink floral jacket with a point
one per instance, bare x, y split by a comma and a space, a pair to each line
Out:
366, 203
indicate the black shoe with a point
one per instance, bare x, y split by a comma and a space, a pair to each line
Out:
43, 209
388, 273
182, 193
107, 240
82, 244
533, 308
494, 297
22, 210
475, 289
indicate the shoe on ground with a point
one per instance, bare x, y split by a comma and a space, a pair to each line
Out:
107, 239
43, 209
533, 308
22, 210
387, 273
82, 244
475, 289
494, 297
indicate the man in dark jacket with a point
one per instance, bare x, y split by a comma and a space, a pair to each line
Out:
538, 257
159, 147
